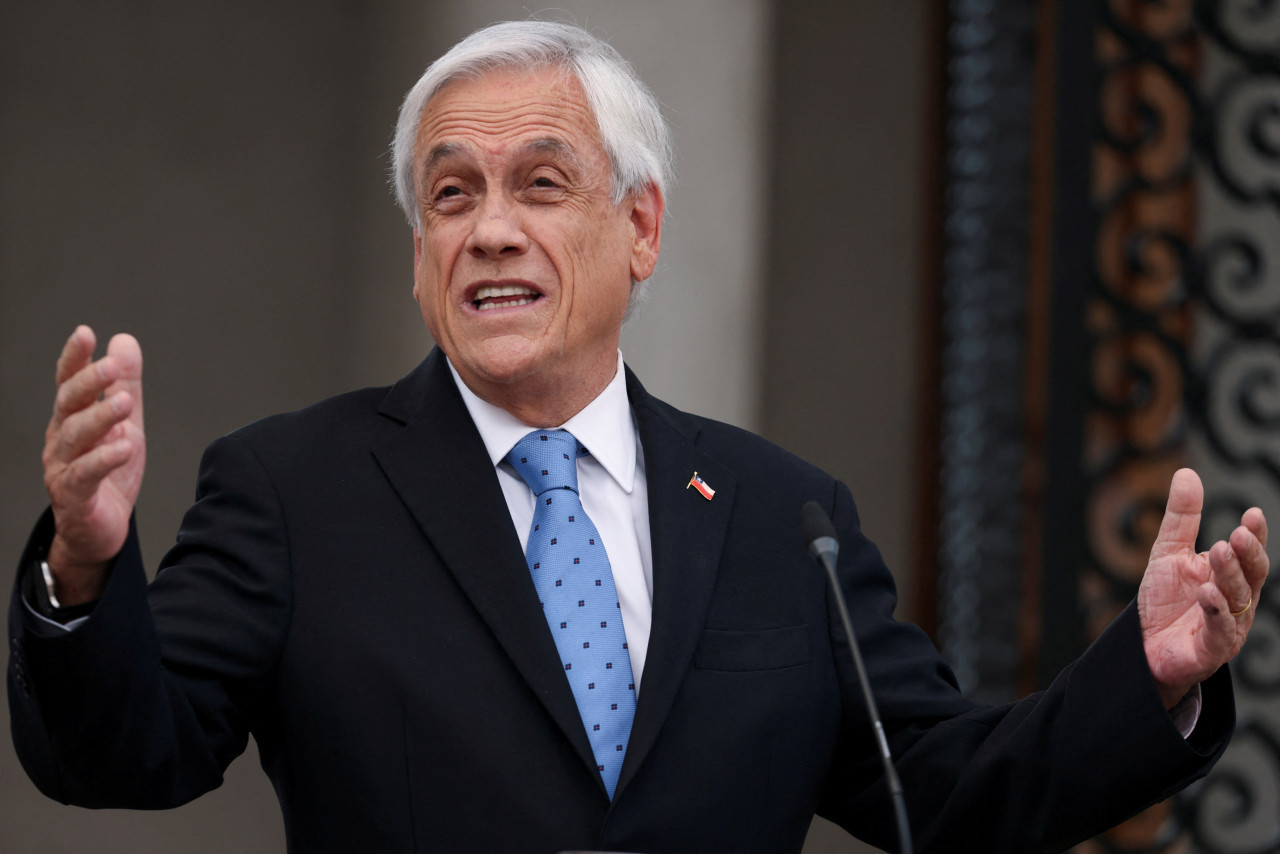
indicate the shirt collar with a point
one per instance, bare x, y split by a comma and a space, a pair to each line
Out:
605, 426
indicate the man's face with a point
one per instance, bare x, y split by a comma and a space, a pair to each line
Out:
523, 263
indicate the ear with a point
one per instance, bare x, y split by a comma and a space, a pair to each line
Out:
417, 265
647, 208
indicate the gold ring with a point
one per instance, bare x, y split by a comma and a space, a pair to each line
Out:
1247, 606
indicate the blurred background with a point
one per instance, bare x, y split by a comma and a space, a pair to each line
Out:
1000, 265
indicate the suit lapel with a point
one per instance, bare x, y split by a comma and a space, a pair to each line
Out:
688, 534
439, 466
438, 457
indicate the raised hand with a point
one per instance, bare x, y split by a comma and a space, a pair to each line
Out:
1196, 608
94, 455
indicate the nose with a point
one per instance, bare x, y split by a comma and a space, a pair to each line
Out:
497, 233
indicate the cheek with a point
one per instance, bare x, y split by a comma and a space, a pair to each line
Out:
431, 273
427, 293
600, 254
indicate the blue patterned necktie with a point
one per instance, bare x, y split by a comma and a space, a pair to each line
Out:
575, 585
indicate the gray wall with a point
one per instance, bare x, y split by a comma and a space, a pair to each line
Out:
209, 176
842, 349
842, 346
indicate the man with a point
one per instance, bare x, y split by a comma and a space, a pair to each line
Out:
348, 587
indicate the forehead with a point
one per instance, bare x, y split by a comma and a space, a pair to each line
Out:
503, 109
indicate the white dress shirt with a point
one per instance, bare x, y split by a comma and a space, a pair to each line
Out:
611, 483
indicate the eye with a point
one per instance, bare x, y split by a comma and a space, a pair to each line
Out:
449, 198
546, 186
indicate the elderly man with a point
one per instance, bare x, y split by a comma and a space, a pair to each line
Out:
514, 603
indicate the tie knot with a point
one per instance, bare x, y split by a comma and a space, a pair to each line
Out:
547, 459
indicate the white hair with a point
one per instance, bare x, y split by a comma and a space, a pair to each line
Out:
632, 131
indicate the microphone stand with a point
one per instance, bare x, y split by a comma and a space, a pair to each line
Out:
820, 538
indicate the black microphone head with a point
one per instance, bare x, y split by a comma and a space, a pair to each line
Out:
814, 524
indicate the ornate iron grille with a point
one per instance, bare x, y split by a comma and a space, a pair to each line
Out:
1184, 324
983, 306
1164, 346
1234, 394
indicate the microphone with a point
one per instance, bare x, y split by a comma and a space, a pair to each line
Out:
821, 542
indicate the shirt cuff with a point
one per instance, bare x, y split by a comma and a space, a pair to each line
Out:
37, 594
49, 584
52, 626
1186, 713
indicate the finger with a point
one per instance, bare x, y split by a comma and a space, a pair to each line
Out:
83, 389
1229, 578
80, 480
82, 430
76, 353
1181, 521
1253, 557
1256, 521
1220, 629
125, 352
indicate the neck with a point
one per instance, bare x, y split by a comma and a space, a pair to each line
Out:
546, 402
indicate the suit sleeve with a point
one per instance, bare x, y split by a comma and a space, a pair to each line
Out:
147, 703
1037, 775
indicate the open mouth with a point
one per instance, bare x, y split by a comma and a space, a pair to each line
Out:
504, 296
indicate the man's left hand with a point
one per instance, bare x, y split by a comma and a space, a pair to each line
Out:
1196, 608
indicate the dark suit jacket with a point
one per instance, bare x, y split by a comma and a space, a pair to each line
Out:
349, 588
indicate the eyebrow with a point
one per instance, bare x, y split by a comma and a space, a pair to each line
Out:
550, 144
545, 145
557, 147
440, 152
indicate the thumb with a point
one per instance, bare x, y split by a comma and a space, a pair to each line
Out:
127, 354
1181, 523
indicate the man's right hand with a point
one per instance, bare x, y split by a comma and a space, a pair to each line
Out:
94, 454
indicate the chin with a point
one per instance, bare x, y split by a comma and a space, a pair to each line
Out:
506, 364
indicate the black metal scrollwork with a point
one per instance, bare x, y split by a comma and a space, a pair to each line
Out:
983, 304
1237, 808
1233, 270
1242, 145
1185, 327
1137, 314
1180, 357
1234, 386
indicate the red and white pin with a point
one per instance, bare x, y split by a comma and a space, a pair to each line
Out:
701, 485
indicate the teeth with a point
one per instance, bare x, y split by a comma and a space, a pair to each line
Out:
491, 291
485, 306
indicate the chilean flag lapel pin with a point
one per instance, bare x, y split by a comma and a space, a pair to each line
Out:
701, 485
